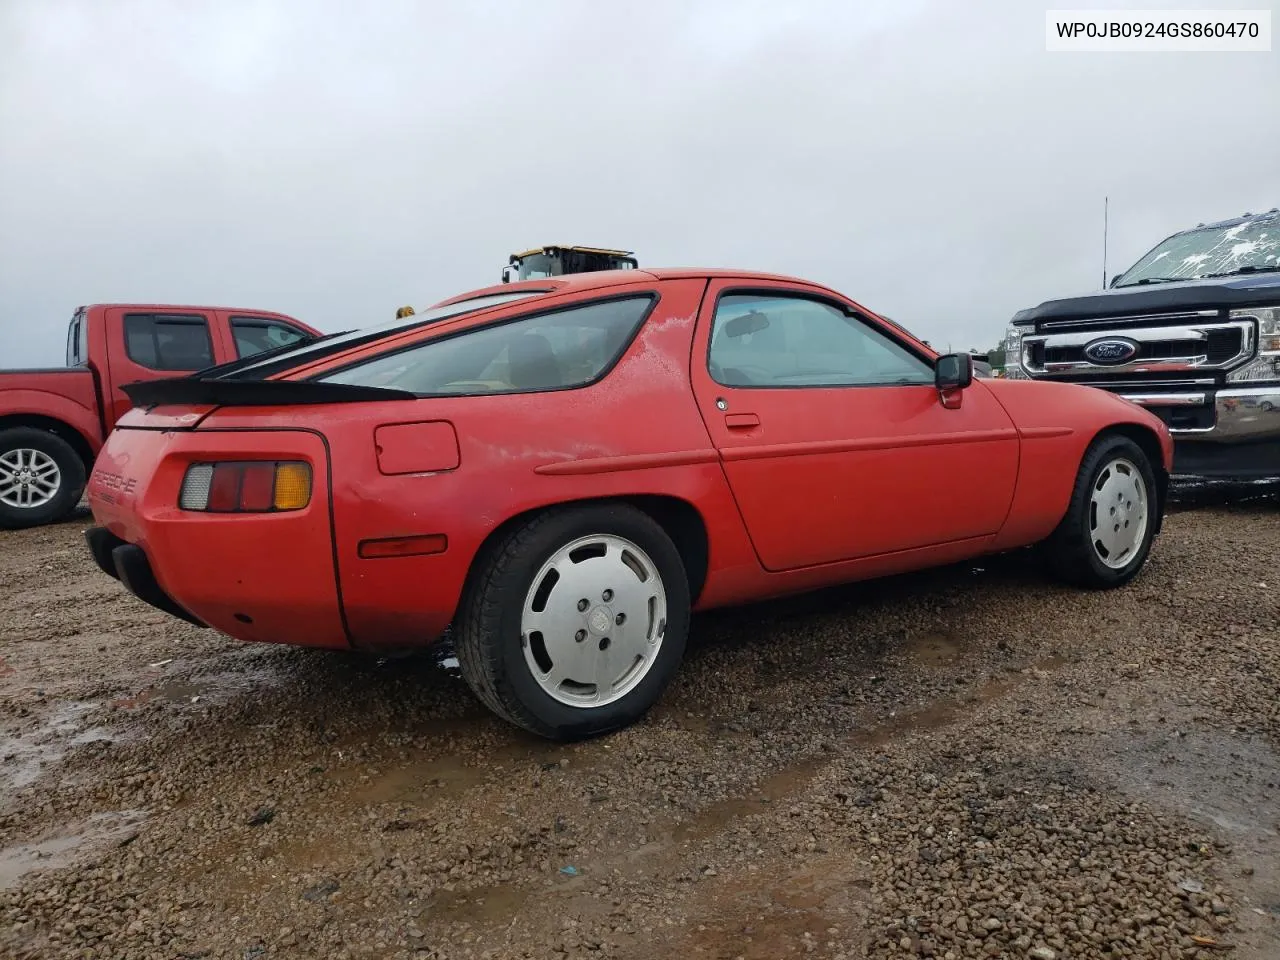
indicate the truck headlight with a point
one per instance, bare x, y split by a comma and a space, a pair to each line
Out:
1013, 354
1267, 364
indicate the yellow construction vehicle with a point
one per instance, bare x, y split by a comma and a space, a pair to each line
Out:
556, 260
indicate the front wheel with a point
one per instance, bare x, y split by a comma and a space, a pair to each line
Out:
41, 477
576, 621
1106, 534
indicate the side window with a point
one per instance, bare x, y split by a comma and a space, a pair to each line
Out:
73, 340
760, 340
168, 342
256, 334
551, 351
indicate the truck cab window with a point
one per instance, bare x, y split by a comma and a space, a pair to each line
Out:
74, 354
256, 334
168, 342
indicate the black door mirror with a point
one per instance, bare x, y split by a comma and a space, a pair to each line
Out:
954, 371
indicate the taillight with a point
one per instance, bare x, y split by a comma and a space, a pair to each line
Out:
250, 486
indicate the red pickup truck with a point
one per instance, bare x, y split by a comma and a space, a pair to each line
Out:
54, 421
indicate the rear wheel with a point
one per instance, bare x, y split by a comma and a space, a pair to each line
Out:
41, 477
576, 621
1105, 537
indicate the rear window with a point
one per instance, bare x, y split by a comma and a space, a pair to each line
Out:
558, 350
334, 344
168, 342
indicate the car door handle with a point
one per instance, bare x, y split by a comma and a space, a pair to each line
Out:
741, 421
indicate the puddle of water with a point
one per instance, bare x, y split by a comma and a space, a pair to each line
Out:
27, 755
495, 906
1228, 782
761, 916
423, 779
763, 798
932, 716
933, 648
63, 849
214, 686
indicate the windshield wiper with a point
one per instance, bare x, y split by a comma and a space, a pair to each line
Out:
1251, 268
1145, 280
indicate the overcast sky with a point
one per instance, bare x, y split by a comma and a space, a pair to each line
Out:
929, 159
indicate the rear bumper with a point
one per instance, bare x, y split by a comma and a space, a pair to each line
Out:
1220, 434
128, 563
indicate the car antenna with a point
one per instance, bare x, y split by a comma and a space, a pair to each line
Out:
1105, 203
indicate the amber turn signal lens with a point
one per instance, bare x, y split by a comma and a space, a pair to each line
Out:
293, 486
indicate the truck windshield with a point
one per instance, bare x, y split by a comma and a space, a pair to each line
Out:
539, 265
1251, 245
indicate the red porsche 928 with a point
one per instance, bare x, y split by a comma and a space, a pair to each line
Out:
564, 469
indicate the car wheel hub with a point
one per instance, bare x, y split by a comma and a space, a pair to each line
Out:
28, 478
1118, 513
593, 621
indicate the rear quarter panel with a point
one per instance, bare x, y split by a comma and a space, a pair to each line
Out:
70, 396
636, 432
276, 569
1056, 423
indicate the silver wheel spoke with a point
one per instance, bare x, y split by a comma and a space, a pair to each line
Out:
28, 478
590, 620
1118, 513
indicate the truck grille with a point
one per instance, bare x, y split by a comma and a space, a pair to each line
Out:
1166, 348
1218, 347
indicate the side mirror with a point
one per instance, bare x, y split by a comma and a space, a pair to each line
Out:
953, 371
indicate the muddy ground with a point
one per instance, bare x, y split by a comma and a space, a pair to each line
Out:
968, 763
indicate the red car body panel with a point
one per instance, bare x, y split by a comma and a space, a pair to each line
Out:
794, 488
269, 577
69, 397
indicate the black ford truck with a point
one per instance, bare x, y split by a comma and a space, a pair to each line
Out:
1191, 332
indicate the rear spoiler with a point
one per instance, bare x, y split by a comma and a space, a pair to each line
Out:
254, 393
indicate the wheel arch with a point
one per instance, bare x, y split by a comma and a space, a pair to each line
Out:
679, 519
1149, 443
59, 428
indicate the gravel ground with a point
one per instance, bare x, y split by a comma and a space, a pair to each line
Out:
967, 763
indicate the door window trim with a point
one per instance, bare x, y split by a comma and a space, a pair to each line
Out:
794, 293
191, 319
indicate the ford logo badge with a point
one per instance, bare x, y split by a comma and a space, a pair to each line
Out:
1110, 350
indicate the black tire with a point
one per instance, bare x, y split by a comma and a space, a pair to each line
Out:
70, 473
488, 640
1070, 550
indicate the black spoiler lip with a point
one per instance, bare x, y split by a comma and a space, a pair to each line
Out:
254, 393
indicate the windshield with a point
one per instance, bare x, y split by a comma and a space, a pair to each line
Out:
1213, 250
267, 365
539, 265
